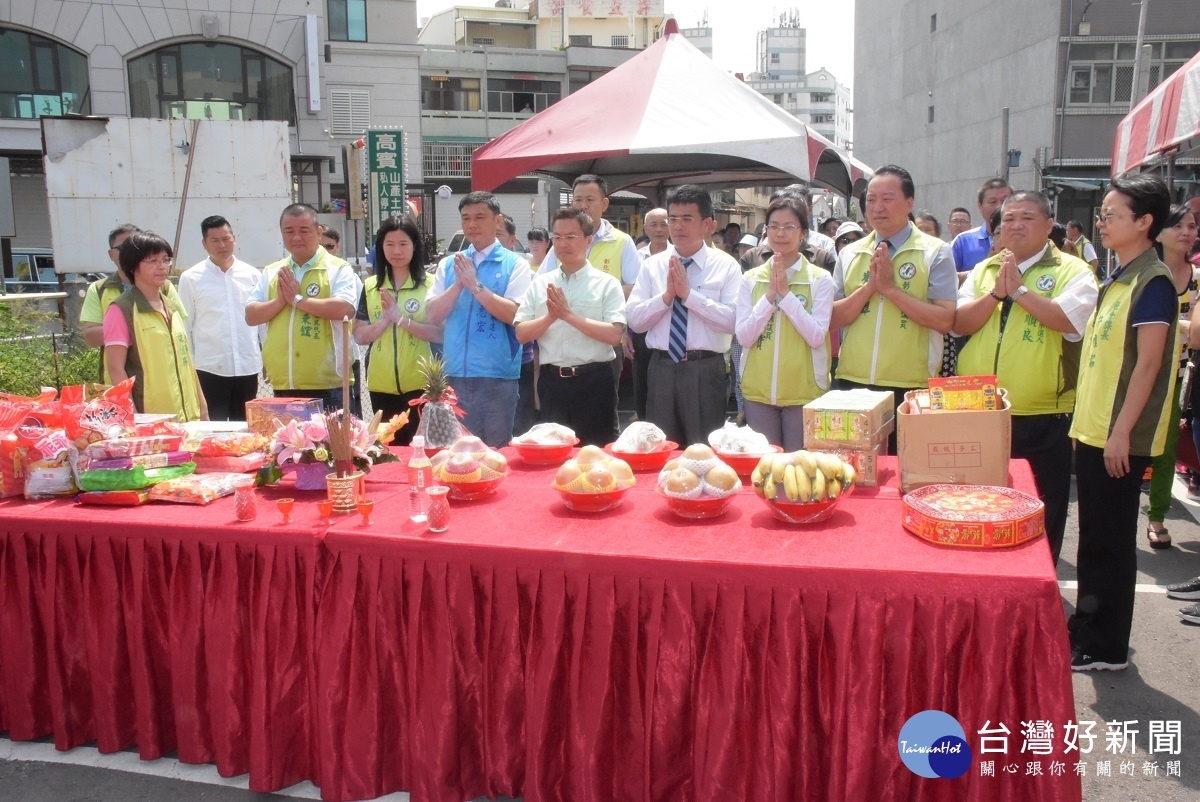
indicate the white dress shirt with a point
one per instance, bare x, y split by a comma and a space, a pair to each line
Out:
590, 292
215, 300
714, 277
813, 325
1077, 300
630, 261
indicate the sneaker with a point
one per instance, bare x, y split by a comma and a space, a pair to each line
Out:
1185, 591
1191, 613
1085, 662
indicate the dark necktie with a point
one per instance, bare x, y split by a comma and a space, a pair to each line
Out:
677, 346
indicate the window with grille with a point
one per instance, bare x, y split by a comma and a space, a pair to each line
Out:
486, 41
1103, 73
580, 41
447, 159
620, 41
443, 93
518, 95
350, 111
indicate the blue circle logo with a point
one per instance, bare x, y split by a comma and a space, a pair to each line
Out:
933, 744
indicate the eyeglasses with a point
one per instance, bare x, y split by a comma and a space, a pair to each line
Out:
559, 238
1104, 218
167, 262
788, 229
685, 219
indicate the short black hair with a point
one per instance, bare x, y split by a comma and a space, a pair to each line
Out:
140, 245
486, 198
578, 215
995, 220
990, 184
732, 224
589, 178
298, 209
214, 221
510, 226
792, 204
967, 212
124, 228
1176, 215
537, 234
685, 194
925, 214
800, 189
416, 268
906, 180
332, 233
1075, 224
1148, 195
1027, 196
1058, 235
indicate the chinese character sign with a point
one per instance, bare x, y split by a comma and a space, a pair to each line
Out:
385, 166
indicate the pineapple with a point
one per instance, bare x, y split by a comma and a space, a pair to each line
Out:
438, 421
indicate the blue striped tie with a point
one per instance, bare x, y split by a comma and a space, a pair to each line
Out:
677, 347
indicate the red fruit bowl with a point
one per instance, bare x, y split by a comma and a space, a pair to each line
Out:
469, 491
645, 460
538, 454
810, 513
744, 464
697, 508
593, 502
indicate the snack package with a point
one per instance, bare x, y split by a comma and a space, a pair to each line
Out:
199, 488
12, 478
246, 463
734, 439
133, 446
47, 462
114, 498
133, 478
144, 461
229, 444
94, 412
962, 392
149, 425
265, 415
640, 437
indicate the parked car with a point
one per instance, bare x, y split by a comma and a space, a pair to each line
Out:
33, 271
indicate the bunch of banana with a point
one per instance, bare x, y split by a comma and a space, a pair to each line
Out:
802, 477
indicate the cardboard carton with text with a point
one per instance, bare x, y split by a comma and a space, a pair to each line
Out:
962, 447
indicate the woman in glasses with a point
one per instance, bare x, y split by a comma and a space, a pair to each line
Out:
1122, 412
144, 335
783, 312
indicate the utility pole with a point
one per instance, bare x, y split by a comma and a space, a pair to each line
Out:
1141, 62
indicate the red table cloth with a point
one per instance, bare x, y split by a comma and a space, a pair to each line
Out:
531, 650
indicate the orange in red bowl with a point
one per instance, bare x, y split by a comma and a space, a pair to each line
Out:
593, 502
743, 464
645, 460
540, 454
697, 508
469, 491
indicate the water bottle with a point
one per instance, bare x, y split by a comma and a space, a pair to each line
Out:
420, 476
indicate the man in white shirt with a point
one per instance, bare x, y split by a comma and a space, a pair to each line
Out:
577, 315
224, 348
654, 225
1084, 249
684, 300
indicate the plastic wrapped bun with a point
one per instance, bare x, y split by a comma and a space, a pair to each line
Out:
734, 439
640, 437
547, 434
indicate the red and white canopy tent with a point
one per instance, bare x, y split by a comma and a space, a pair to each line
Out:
1165, 124
668, 116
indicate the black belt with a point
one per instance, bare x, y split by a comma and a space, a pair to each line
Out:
693, 356
571, 371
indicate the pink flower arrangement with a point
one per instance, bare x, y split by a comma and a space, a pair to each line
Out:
305, 442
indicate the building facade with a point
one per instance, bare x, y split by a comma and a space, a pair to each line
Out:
330, 69
933, 87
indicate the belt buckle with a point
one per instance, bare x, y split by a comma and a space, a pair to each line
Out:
684, 357
567, 372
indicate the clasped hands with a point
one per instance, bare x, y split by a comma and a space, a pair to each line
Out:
677, 282
1009, 279
557, 306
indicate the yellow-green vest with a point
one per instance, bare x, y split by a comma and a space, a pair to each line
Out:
1107, 361
159, 357
883, 346
393, 362
1033, 362
111, 288
301, 351
606, 256
781, 368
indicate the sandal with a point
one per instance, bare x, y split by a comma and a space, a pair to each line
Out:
1159, 538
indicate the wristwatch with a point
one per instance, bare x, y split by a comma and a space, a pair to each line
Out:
296, 301
478, 285
1016, 296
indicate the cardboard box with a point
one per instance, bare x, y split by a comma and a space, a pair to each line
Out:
265, 415
870, 444
865, 461
848, 416
969, 447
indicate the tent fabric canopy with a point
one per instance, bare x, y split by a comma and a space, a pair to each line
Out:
667, 116
1167, 120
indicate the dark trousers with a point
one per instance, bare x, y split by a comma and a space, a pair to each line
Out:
687, 399
617, 365
526, 413
582, 401
227, 395
1107, 561
897, 392
391, 404
1044, 440
641, 370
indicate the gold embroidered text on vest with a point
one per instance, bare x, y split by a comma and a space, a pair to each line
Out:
805, 372
301, 351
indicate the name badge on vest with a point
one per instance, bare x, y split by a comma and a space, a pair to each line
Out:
412, 305
908, 270
1046, 283
803, 302
313, 290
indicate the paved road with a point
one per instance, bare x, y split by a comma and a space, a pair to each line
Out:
1161, 685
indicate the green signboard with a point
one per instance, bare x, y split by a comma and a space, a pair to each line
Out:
385, 167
